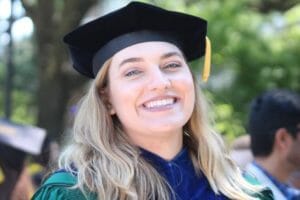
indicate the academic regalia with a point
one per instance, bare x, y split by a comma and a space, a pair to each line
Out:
179, 173
181, 176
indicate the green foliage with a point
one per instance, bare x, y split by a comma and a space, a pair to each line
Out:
225, 118
23, 110
25, 77
24, 83
228, 123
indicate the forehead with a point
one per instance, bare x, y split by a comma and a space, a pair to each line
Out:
145, 49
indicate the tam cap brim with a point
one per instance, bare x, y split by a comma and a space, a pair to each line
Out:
28, 139
186, 31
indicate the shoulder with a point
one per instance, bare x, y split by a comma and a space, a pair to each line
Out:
265, 194
59, 186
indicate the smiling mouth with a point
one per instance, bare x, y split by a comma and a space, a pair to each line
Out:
160, 103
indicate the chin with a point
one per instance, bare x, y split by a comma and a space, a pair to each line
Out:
165, 127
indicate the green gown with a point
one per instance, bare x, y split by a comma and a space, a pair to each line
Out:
58, 187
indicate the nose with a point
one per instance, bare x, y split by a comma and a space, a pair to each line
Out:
158, 80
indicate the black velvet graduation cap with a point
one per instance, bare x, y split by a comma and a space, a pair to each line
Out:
91, 44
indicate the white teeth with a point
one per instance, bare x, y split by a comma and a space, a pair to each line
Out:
159, 103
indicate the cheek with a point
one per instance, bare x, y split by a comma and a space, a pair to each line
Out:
295, 148
191, 94
123, 98
187, 85
117, 95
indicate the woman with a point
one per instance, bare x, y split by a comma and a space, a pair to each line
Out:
142, 131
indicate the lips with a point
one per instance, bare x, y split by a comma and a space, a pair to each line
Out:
160, 103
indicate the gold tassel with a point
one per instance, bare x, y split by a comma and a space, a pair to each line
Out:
207, 60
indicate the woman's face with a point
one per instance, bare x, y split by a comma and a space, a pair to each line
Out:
151, 90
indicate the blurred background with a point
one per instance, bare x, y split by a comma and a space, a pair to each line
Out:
255, 47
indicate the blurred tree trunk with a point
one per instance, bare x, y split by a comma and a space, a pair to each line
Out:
52, 19
265, 6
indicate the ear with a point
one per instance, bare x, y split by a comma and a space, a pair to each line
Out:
282, 139
111, 110
105, 96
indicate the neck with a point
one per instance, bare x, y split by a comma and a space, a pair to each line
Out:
274, 167
167, 146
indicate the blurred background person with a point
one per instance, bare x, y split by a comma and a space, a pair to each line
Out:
11, 163
294, 180
17, 142
274, 128
41, 164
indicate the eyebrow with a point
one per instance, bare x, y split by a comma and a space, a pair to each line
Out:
139, 59
130, 60
170, 54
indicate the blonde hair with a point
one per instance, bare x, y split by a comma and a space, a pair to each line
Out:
108, 164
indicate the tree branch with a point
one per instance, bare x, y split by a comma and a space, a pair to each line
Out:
265, 6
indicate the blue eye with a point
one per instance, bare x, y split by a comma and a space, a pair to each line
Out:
172, 66
132, 73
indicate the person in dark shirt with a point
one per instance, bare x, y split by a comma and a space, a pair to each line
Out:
11, 163
142, 130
